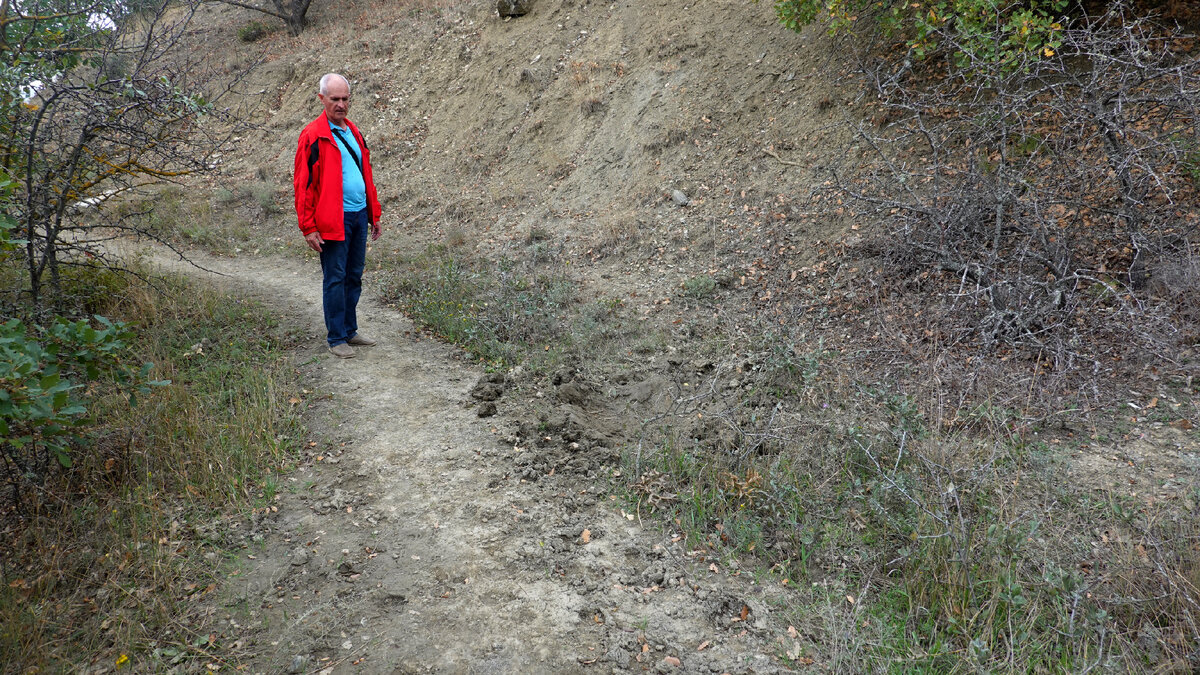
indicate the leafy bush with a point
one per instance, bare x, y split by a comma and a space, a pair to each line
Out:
970, 26
42, 415
97, 572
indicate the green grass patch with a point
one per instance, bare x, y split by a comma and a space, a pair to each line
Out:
253, 31
504, 312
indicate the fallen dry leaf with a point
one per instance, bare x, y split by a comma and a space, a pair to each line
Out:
672, 661
745, 612
702, 646
586, 536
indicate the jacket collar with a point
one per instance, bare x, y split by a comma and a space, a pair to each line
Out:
324, 130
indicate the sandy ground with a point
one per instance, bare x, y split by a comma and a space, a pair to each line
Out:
419, 537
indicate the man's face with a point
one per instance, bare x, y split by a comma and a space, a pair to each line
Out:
336, 101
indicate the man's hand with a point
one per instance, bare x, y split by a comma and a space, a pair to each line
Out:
376, 230
314, 240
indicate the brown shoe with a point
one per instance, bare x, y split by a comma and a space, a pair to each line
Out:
360, 340
342, 351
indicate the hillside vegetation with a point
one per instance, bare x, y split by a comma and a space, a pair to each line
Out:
976, 423
900, 320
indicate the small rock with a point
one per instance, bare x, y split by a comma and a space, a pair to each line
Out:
619, 657
513, 7
394, 593
297, 665
299, 556
680, 198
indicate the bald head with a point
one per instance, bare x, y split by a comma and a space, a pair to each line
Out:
335, 97
329, 78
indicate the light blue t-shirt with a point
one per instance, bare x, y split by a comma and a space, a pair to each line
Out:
354, 188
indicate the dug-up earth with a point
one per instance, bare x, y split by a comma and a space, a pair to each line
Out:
417, 536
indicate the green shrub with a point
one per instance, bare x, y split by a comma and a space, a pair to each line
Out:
263, 194
225, 196
42, 415
700, 287
253, 31
992, 30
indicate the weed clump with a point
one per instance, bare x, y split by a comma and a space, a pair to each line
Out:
502, 314
701, 286
946, 550
253, 31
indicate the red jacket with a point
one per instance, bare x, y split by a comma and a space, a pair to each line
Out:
318, 181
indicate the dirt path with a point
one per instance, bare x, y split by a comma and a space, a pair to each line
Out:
418, 537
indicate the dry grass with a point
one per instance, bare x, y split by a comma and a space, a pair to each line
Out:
962, 546
106, 562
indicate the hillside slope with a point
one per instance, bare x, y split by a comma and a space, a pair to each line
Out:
580, 118
670, 162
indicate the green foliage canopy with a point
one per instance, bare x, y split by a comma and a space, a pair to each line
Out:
997, 31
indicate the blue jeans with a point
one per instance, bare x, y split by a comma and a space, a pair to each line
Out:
342, 265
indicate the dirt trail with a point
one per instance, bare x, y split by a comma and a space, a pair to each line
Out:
408, 541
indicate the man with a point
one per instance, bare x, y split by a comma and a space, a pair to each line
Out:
336, 203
